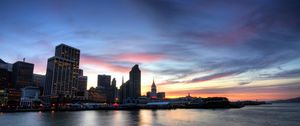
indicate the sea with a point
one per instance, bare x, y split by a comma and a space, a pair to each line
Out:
277, 114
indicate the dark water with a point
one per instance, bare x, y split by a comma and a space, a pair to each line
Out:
264, 115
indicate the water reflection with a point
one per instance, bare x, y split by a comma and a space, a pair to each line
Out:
254, 116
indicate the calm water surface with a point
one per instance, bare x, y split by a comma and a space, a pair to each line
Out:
264, 115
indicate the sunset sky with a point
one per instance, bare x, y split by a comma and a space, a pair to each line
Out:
238, 49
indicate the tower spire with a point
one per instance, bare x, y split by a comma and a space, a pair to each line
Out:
153, 81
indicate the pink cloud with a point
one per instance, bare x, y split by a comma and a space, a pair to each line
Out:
139, 57
99, 62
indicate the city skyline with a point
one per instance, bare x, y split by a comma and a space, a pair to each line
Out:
242, 50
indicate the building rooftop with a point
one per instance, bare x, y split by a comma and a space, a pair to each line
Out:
62, 44
1, 61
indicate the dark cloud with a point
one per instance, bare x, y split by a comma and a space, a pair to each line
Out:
265, 35
285, 74
244, 83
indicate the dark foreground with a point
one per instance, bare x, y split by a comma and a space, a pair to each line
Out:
262, 115
133, 107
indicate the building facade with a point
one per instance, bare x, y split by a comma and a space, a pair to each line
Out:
132, 88
30, 97
135, 82
114, 90
82, 86
104, 81
63, 72
39, 81
22, 74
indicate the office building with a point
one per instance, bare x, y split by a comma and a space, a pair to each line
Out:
132, 88
135, 82
104, 81
63, 72
22, 74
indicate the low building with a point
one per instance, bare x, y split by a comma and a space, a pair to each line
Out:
96, 95
161, 95
13, 98
30, 97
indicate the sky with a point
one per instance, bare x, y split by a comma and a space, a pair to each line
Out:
240, 49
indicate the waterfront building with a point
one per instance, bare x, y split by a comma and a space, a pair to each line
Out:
13, 97
63, 72
154, 94
96, 95
161, 95
30, 97
22, 74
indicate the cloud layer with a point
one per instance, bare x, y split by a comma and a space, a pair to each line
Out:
191, 42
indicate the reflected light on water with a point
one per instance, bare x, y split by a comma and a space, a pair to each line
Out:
282, 114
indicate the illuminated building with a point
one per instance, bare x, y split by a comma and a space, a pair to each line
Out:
63, 72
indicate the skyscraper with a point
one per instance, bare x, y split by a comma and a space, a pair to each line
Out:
132, 88
135, 82
124, 92
62, 72
114, 90
22, 74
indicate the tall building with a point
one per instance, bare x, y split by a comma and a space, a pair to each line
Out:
132, 88
104, 81
22, 74
63, 72
108, 87
124, 92
114, 90
135, 82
